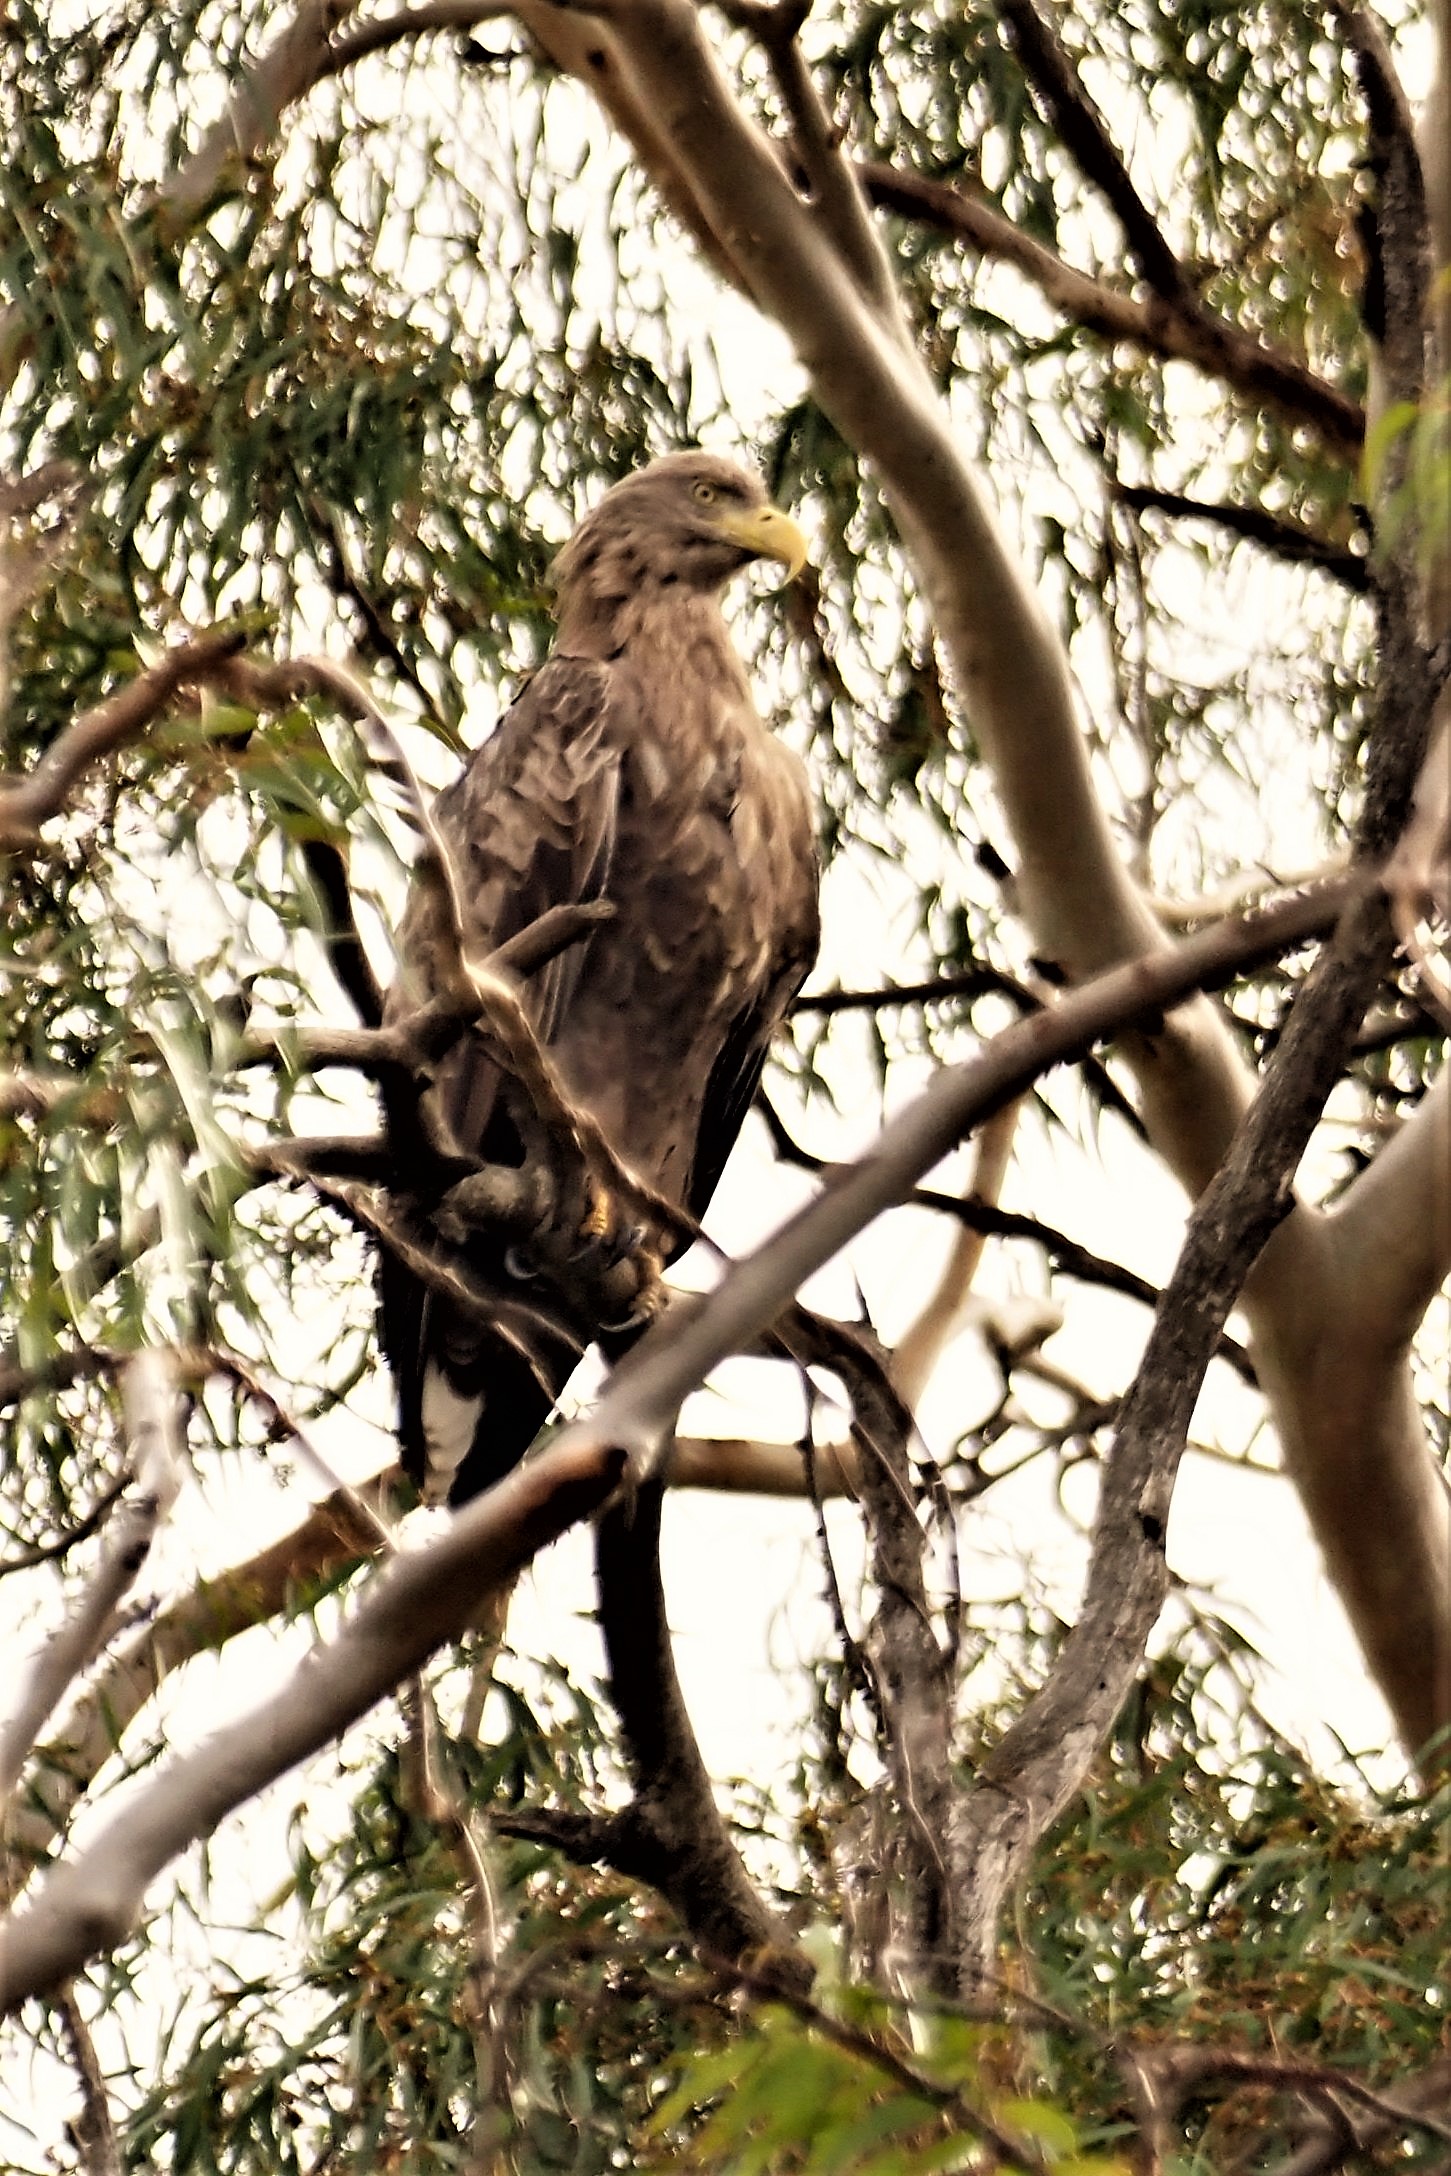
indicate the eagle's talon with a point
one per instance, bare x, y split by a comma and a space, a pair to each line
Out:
600, 1214
520, 1269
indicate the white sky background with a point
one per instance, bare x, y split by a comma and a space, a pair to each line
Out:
742, 1575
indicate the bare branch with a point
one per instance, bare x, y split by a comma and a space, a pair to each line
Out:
1191, 334
1288, 540
1085, 133
88, 1904
1046, 1752
1430, 2090
673, 1832
832, 183
305, 52
285, 1575
347, 954
1393, 1225
733, 1466
29, 802
149, 1397
94, 2131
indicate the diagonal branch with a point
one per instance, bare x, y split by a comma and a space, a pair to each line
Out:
149, 1399
1085, 133
85, 1906
1182, 332
288, 1574
27, 803
833, 185
673, 1357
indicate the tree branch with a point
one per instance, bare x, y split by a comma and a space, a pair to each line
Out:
1085, 134
922, 1344
29, 802
95, 2133
289, 1573
1288, 540
1393, 1225
671, 1359
1263, 374
88, 1904
830, 179
675, 1835
149, 1398
347, 954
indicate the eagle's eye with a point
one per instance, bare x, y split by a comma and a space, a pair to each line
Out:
706, 493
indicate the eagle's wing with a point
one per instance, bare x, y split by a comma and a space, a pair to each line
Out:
530, 823
736, 1074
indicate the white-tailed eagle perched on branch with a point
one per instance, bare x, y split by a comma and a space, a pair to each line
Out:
633, 769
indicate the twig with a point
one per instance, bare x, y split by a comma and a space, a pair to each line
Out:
95, 2133
1067, 1256
436, 1797
54, 1552
925, 1339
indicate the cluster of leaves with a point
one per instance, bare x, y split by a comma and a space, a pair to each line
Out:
617, 2050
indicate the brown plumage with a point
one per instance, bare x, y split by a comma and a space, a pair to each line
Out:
634, 768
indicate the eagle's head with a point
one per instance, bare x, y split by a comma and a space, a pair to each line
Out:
690, 520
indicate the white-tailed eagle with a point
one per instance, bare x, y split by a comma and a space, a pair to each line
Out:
633, 768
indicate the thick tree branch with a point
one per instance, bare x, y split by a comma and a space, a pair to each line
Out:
1393, 1226
1044, 1756
912, 1675
676, 1836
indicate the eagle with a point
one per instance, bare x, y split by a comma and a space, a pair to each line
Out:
634, 769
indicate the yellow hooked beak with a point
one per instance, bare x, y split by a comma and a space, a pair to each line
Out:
769, 533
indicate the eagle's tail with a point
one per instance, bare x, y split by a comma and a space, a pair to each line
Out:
469, 1403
